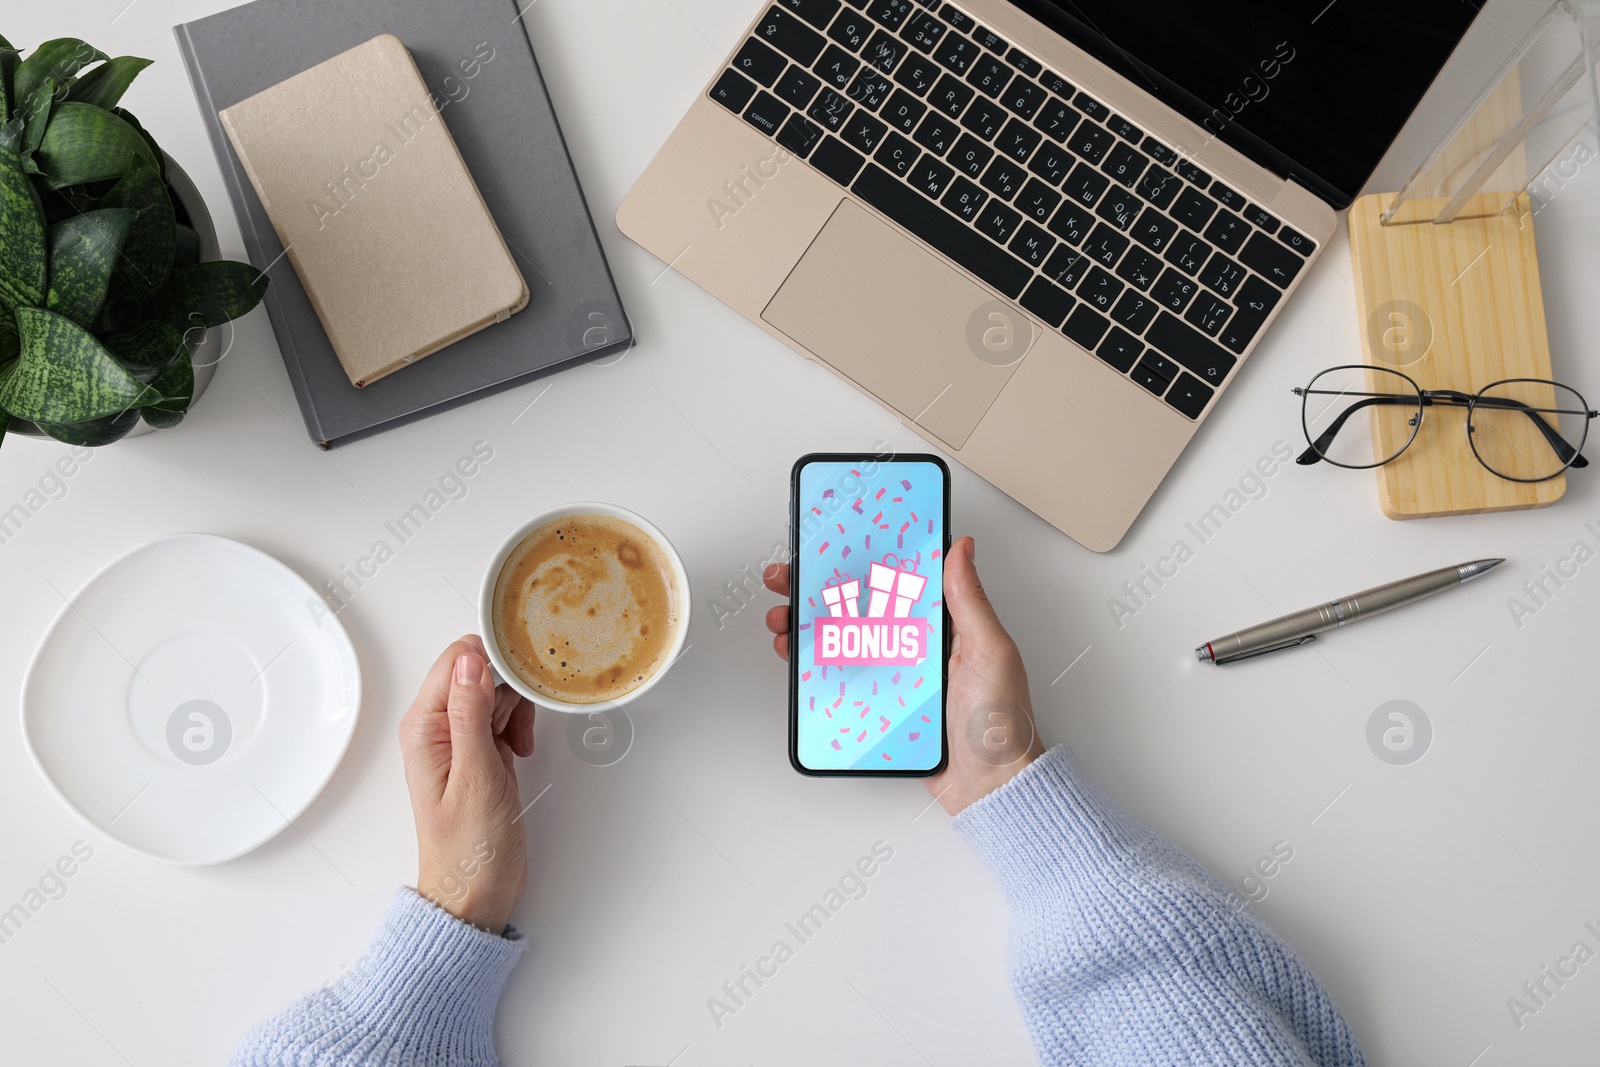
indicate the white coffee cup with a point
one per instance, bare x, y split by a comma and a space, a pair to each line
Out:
491, 578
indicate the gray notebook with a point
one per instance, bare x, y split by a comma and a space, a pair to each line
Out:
475, 57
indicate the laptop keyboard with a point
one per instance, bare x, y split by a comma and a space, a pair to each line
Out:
1036, 187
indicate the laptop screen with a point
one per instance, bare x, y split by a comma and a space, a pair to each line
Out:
1314, 91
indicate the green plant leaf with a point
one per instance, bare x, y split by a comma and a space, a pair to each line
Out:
36, 115
9, 58
187, 253
104, 85
10, 343
64, 375
83, 253
59, 59
84, 143
155, 150
146, 259
96, 432
146, 349
210, 294
22, 250
176, 386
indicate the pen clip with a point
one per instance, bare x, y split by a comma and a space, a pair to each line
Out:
1282, 647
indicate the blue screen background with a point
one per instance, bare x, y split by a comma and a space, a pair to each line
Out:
837, 505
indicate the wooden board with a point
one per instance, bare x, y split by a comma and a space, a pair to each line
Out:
1453, 307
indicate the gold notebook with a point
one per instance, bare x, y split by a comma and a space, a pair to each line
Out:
376, 209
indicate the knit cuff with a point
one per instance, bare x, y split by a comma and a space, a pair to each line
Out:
1048, 825
430, 982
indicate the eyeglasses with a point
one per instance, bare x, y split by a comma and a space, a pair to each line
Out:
1520, 429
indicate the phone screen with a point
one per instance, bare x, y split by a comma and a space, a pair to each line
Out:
868, 638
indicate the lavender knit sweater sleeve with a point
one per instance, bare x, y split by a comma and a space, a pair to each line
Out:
424, 995
1125, 951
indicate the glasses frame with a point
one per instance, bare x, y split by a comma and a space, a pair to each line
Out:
1426, 398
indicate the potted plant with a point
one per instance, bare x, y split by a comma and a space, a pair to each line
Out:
109, 276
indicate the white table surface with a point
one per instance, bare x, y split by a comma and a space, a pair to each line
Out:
1423, 895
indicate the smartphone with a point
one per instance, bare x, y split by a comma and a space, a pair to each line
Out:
869, 637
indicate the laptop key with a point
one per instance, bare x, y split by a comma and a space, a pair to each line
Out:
1192, 174
837, 160
1037, 200
1085, 184
1272, 260
1100, 290
1023, 97
756, 60
1121, 349
903, 111
1159, 187
1173, 291
989, 39
989, 75
1125, 163
851, 29
964, 198
816, 12
1187, 252
1159, 152
1057, 84
869, 89
951, 97
1139, 268
1298, 241
1003, 178
1105, 245
733, 91
1222, 275
923, 31
957, 18
1091, 142
1154, 230
864, 132
1194, 209
1017, 140
917, 74
766, 113
930, 176
1124, 129
1261, 218
836, 67
1086, 326
883, 52
1091, 107
1208, 360
898, 154
1189, 395
984, 118
1032, 245
1208, 313
998, 221
963, 245
1051, 163
971, 155
1056, 120
1226, 196
1135, 311
936, 134
1072, 223
797, 87
831, 110
1155, 373
890, 13
1025, 63
1228, 231
1066, 267
1120, 207
1048, 301
789, 35
800, 135
956, 53
1255, 301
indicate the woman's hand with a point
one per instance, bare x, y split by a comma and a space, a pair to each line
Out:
989, 715
458, 740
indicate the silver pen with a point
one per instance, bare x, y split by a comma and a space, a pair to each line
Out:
1301, 628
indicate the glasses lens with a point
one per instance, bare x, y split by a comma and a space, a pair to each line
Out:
1528, 431
1361, 416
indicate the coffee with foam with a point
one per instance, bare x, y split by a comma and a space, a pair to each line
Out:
586, 609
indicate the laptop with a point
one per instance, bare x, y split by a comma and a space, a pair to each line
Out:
1047, 234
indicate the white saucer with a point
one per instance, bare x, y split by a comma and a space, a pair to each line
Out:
191, 699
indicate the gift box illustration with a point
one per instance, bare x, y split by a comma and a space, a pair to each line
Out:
889, 635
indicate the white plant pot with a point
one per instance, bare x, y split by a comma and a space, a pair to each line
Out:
209, 350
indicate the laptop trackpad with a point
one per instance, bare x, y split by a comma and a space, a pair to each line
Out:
914, 333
